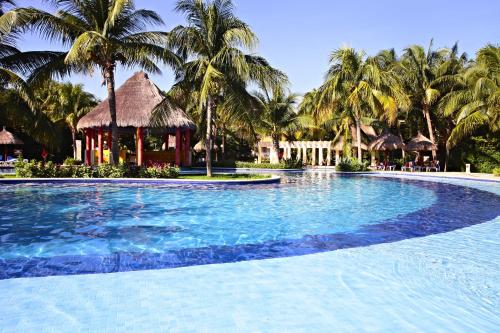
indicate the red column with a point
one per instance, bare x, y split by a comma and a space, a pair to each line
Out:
87, 145
187, 148
140, 146
100, 146
178, 147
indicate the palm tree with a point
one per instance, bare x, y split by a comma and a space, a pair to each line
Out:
69, 103
315, 117
101, 34
278, 116
477, 103
213, 43
359, 87
429, 76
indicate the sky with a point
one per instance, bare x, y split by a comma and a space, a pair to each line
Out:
297, 36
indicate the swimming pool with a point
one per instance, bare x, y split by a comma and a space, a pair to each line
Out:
65, 229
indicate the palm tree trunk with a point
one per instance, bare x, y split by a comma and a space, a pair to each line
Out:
208, 138
109, 76
401, 137
274, 156
215, 143
73, 138
223, 142
447, 158
427, 115
358, 138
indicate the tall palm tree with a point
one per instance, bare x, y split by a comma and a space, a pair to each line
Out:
100, 34
278, 116
477, 103
429, 77
217, 67
358, 87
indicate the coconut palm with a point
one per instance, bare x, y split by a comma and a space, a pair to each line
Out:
429, 76
101, 34
278, 116
217, 67
359, 87
477, 104
315, 118
69, 103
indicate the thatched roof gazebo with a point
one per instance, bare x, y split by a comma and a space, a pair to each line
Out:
136, 102
386, 141
420, 143
8, 139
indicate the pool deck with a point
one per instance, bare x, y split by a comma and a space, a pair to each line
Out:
414, 285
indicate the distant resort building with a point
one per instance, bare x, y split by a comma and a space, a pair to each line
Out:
316, 152
136, 101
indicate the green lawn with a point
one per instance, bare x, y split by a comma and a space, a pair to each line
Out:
10, 175
225, 177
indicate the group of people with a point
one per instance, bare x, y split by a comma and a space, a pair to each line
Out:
420, 163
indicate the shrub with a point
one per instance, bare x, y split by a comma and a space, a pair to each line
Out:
496, 171
35, 169
349, 164
112, 171
159, 171
71, 161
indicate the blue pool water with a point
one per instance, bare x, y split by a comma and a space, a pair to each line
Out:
53, 229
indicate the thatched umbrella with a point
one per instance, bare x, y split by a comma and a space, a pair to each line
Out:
200, 146
8, 139
387, 141
420, 143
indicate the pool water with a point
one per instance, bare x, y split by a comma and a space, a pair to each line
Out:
53, 229
45, 221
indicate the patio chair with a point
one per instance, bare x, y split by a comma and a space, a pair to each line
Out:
433, 167
407, 167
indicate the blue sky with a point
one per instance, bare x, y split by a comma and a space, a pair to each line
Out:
297, 36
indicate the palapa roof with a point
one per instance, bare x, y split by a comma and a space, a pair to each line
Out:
200, 146
367, 130
420, 143
136, 99
7, 138
386, 141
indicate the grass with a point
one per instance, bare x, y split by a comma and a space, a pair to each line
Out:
8, 175
221, 176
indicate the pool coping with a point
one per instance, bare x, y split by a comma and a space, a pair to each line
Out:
274, 179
